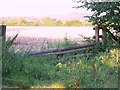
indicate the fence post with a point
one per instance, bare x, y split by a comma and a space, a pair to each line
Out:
104, 35
2, 41
96, 34
3, 32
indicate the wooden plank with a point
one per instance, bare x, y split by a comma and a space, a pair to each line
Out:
61, 50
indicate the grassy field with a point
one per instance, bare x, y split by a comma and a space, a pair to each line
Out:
97, 71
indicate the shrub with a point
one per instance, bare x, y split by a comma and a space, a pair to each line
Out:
13, 73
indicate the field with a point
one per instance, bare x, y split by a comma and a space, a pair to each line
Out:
38, 37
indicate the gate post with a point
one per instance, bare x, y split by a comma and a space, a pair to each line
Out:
96, 33
2, 41
3, 32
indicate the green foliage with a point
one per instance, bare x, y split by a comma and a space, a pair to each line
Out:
91, 73
47, 45
59, 23
21, 21
105, 14
73, 23
37, 67
66, 43
13, 74
16, 22
48, 22
98, 71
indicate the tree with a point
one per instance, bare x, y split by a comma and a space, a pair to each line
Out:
48, 21
105, 14
73, 23
59, 23
11, 21
21, 21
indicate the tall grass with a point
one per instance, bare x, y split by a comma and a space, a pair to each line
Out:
97, 71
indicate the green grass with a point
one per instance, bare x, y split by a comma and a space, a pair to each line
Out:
98, 71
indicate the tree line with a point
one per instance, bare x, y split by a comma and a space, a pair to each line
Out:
47, 21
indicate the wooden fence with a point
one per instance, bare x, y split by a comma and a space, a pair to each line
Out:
60, 51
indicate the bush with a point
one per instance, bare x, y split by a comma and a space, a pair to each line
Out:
13, 73
98, 71
67, 42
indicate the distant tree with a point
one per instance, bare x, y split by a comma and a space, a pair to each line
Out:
48, 21
73, 23
21, 22
68, 23
11, 21
59, 23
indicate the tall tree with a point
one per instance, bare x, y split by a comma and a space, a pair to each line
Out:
105, 14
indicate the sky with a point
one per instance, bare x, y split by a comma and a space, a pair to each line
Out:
38, 8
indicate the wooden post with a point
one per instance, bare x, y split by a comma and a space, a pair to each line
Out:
96, 34
2, 37
3, 32
104, 35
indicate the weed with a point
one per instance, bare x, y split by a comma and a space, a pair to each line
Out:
98, 71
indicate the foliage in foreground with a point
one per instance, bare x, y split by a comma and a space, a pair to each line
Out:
99, 71
105, 14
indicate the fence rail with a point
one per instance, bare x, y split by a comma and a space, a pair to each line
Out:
61, 50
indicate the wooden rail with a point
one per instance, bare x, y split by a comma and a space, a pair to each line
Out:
61, 50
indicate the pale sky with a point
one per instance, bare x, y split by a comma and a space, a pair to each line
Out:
37, 8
